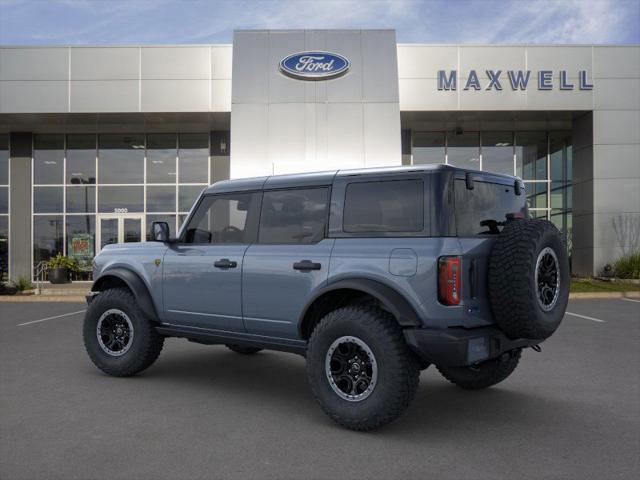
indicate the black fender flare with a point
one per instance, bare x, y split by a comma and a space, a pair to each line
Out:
393, 301
135, 284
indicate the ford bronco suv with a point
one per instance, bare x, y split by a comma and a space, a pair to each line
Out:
371, 274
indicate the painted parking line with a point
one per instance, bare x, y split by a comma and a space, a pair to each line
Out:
50, 318
593, 319
630, 300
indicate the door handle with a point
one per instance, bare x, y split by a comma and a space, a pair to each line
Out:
307, 265
225, 263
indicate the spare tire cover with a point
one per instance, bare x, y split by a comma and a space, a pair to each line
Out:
529, 279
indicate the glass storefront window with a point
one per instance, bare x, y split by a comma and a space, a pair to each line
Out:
161, 199
4, 247
81, 159
463, 150
48, 159
187, 195
81, 199
428, 147
47, 237
81, 241
536, 194
4, 200
560, 156
121, 159
120, 199
4, 159
161, 158
531, 155
193, 158
47, 200
497, 152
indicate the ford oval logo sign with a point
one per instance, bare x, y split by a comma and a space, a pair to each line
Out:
314, 65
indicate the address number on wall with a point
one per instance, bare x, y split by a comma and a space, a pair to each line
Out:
120, 210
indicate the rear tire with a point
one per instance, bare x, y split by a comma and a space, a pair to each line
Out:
242, 350
120, 340
483, 375
359, 367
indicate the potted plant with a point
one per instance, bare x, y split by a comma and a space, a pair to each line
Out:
59, 268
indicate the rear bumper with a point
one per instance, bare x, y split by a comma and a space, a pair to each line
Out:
460, 346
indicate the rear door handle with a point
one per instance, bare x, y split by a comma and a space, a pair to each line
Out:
307, 265
225, 263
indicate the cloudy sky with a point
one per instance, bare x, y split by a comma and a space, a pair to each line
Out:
213, 21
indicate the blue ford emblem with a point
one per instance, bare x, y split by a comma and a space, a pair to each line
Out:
314, 65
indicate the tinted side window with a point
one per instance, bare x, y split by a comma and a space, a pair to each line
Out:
389, 206
224, 219
294, 216
486, 202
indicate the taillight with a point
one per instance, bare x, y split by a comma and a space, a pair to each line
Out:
449, 280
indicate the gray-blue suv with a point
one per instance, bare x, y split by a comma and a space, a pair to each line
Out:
370, 274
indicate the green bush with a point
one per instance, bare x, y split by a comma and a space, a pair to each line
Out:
61, 261
628, 266
23, 283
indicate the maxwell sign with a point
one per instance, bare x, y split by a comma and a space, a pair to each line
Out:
516, 79
314, 65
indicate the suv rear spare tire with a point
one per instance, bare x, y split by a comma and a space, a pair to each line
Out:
529, 279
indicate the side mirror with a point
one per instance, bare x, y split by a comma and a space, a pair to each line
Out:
160, 232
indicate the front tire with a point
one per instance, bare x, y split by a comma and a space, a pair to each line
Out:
483, 375
120, 340
359, 367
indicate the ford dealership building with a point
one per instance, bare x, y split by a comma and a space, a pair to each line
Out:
97, 142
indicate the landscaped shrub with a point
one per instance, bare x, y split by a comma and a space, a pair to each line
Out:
628, 266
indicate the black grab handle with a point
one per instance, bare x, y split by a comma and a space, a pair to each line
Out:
225, 263
307, 265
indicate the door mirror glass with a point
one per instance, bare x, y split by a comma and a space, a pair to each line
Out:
160, 232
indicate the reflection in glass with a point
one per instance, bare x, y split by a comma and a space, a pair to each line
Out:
81, 240
463, 150
4, 199
4, 247
497, 152
81, 159
121, 158
47, 237
161, 158
47, 199
48, 159
560, 156
193, 158
428, 147
187, 195
161, 199
531, 155
132, 230
108, 231
112, 198
536, 194
170, 219
4, 159
81, 199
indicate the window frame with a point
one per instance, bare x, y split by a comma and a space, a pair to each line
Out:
251, 226
325, 233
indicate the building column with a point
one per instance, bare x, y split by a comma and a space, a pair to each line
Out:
582, 201
20, 245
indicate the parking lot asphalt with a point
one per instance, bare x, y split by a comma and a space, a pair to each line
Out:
571, 411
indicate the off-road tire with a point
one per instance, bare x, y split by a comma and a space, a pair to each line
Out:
397, 367
146, 344
513, 291
483, 375
242, 349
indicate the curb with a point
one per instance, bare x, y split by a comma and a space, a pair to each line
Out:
602, 295
42, 298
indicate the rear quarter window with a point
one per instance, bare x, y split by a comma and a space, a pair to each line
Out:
476, 209
384, 207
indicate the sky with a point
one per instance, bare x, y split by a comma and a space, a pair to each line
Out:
121, 22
